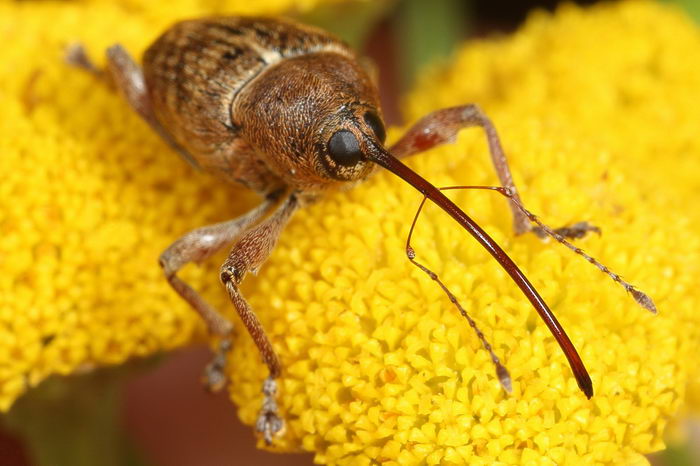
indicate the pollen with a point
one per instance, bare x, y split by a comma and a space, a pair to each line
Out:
597, 112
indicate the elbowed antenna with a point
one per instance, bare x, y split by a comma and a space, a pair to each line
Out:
382, 157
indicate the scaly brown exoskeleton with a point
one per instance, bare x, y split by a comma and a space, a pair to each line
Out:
288, 111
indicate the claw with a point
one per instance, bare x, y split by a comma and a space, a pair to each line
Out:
643, 300
214, 374
75, 55
269, 423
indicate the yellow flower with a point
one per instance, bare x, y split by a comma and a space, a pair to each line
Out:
380, 365
89, 196
597, 111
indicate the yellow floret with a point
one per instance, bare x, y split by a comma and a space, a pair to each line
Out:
597, 112
380, 364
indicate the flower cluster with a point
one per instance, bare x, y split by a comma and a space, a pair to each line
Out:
89, 197
379, 364
597, 112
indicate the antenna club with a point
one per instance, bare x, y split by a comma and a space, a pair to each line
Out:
504, 378
643, 300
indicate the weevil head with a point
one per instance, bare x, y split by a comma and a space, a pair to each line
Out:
312, 119
341, 153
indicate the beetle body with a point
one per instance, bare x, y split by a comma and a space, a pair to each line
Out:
254, 99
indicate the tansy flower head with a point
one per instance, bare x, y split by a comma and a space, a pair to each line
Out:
89, 196
378, 364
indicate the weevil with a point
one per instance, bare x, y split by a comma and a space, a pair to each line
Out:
289, 111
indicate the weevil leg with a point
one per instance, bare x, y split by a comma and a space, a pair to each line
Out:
443, 125
127, 76
248, 254
197, 246
122, 72
78, 57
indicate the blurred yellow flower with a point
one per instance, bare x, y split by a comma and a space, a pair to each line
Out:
597, 111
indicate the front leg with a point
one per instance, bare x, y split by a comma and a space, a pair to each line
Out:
443, 125
248, 255
196, 246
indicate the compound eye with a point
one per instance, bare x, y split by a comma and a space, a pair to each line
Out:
344, 148
374, 122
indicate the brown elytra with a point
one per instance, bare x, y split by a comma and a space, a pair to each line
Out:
288, 111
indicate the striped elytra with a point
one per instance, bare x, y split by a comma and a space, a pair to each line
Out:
246, 98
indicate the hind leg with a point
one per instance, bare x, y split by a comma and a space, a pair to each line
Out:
122, 72
127, 76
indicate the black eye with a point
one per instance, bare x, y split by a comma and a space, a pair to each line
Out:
377, 126
344, 148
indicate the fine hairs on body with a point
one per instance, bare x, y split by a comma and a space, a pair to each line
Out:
288, 111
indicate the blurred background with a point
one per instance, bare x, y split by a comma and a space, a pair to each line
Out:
160, 413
